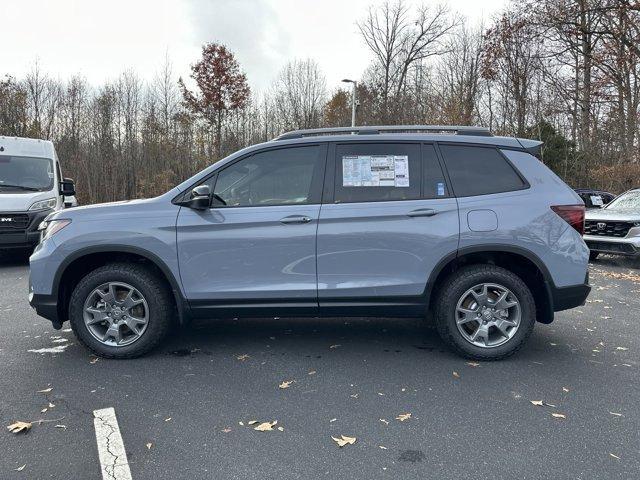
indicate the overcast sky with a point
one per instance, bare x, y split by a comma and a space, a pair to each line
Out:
100, 39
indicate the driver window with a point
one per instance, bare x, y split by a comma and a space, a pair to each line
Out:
275, 177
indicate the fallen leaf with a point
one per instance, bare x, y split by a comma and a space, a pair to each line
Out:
43, 410
456, 374
537, 403
64, 427
19, 469
266, 426
403, 416
51, 405
281, 429
241, 424
381, 394
386, 422
565, 389
473, 364
344, 440
622, 348
312, 372
355, 395
616, 414
382, 447
242, 357
558, 415
286, 384
614, 456
167, 419
93, 360
333, 420
252, 422
149, 445
335, 346
46, 390
19, 427
226, 430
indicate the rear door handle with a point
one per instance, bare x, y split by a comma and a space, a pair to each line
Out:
292, 219
422, 212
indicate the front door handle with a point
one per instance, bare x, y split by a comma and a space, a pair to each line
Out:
422, 212
292, 219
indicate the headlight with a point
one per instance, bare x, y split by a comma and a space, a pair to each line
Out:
49, 227
44, 204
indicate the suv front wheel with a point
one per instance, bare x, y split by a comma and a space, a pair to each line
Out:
120, 310
485, 312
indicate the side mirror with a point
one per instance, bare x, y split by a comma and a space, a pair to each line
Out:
67, 187
200, 198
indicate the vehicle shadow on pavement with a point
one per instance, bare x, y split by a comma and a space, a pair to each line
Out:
14, 258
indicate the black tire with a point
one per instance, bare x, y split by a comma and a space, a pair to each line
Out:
593, 256
457, 284
153, 289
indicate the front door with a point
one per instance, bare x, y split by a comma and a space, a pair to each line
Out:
253, 252
386, 224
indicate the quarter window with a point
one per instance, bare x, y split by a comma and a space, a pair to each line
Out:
285, 176
377, 172
479, 170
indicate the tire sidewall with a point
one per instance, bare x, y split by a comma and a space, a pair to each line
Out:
139, 279
463, 282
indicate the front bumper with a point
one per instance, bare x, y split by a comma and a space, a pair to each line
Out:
46, 306
26, 236
629, 245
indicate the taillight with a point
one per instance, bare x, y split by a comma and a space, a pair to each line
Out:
572, 214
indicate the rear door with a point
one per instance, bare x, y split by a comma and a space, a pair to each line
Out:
256, 253
386, 221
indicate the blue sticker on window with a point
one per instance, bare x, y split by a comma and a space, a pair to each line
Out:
440, 189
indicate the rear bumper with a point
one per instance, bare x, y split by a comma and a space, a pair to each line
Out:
572, 296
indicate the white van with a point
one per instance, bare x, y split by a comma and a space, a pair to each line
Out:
31, 187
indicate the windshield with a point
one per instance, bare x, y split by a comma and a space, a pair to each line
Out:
626, 201
25, 173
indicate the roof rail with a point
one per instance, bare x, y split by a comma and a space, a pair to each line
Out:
376, 130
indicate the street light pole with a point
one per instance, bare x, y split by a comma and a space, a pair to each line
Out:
353, 100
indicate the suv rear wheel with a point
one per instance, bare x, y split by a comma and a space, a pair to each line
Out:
120, 310
485, 312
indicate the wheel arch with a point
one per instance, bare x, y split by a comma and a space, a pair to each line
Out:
81, 262
524, 263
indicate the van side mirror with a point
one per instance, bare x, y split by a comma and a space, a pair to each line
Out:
67, 187
200, 198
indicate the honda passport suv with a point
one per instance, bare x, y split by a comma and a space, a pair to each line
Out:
370, 221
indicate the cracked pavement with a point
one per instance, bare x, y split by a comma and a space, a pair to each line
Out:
350, 377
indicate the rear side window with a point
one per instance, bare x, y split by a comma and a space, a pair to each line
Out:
377, 172
479, 170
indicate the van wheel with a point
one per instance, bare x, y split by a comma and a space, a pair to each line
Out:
120, 310
485, 312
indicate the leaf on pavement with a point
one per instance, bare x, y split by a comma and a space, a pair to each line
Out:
243, 357
537, 403
559, 415
44, 410
64, 427
614, 456
266, 426
149, 445
168, 419
622, 348
382, 447
226, 430
565, 389
344, 440
281, 429
403, 416
93, 360
386, 422
473, 364
615, 414
252, 422
333, 420
312, 372
19, 427
335, 346
46, 390
456, 374
19, 469
285, 384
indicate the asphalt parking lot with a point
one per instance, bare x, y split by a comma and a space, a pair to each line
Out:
179, 409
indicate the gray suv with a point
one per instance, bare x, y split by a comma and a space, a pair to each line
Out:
372, 221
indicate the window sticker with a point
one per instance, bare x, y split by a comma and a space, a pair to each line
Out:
440, 189
375, 171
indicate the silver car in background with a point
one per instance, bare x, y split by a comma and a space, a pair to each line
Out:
614, 229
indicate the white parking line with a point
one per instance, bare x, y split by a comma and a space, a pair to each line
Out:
113, 457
